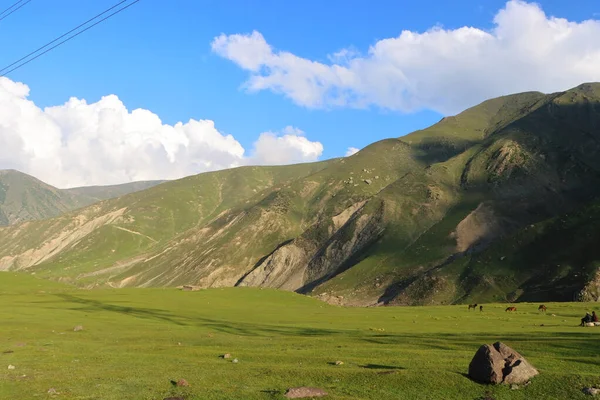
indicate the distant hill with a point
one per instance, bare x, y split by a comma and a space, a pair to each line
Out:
25, 198
92, 194
497, 203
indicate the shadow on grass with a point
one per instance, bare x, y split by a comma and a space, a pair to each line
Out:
380, 366
234, 328
576, 344
95, 305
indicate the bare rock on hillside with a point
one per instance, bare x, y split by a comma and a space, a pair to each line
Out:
226, 355
498, 363
304, 392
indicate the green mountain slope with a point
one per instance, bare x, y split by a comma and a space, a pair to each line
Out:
416, 220
24, 198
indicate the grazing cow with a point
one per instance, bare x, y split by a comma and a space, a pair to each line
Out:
480, 308
542, 308
473, 306
511, 309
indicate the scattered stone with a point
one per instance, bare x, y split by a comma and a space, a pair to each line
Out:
235, 361
182, 383
11, 367
302, 392
78, 328
339, 363
514, 387
226, 355
499, 363
368, 181
52, 391
591, 391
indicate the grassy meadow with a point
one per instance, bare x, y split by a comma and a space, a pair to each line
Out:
135, 341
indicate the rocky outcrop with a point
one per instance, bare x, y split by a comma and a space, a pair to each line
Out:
318, 252
498, 363
591, 291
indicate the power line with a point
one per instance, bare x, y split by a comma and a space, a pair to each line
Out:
16, 9
67, 39
63, 35
9, 8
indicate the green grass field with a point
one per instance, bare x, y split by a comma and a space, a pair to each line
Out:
135, 341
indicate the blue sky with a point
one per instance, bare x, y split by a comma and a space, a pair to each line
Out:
157, 56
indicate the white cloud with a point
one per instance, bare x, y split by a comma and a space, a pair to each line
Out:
77, 143
289, 146
442, 70
351, 151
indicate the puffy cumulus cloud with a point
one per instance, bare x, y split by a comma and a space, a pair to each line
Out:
288, 146
442, 70
77, 143
351, 151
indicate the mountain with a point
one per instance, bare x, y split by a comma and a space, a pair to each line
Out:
498, 203
24, 198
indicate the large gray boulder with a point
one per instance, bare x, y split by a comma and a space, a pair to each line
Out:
498, 363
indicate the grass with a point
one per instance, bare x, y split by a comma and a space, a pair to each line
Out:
135, 341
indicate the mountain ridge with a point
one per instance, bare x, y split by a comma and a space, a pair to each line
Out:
24, 197
411, 220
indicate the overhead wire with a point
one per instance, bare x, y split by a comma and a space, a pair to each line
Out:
63, 35
15, 10
68, 38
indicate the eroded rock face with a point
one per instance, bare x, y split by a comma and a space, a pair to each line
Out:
498, 363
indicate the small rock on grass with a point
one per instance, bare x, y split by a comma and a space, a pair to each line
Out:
78, 328
226, 355
591, 391
11, 367
339, 363
52, 391
235, 361
183, 383
304, 392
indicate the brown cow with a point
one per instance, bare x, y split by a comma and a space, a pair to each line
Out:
473, 306
511, 309
542, 308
